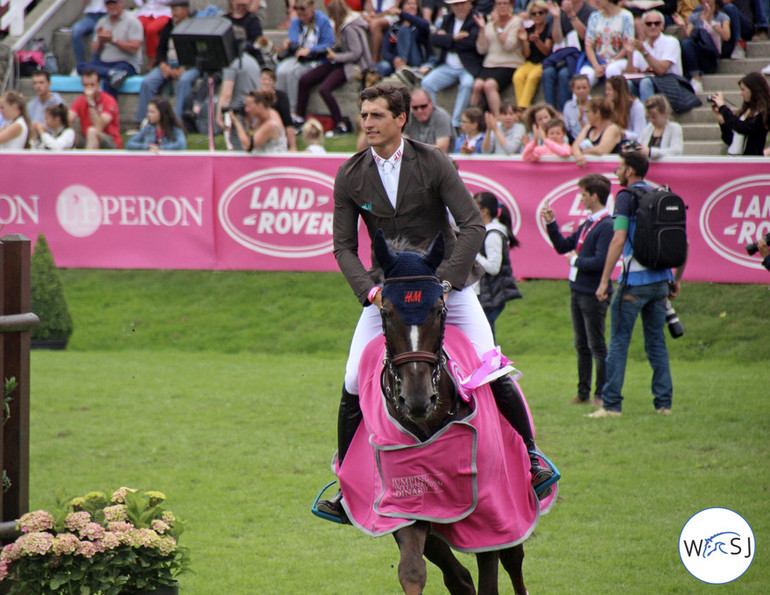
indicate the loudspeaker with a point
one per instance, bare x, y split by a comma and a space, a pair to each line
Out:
207, 43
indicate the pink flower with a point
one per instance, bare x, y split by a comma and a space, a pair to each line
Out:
3, 570
115, 513
76, 521
10, 553
65, 543
35, 543
143, 538
92, 531
167, 545
38, 520
160, 526
87, 549
119, 496
168, 516
108, 542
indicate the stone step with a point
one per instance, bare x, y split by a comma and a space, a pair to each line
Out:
720, 82
704, 148
744, 66
701, 132
758, 49
699, 115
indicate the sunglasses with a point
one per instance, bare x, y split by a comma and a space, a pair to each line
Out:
653, 23
538, 13
423, 106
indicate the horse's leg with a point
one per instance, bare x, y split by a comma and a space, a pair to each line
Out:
512, 559
457, 578
412, 573
487, 562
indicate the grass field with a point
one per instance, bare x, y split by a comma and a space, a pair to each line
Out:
221, 390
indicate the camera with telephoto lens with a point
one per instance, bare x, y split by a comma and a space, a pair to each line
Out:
675, 326
752, 248
236, 109
711, 100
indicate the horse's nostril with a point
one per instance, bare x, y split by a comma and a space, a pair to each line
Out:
433, 399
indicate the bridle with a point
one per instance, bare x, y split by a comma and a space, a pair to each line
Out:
437, 360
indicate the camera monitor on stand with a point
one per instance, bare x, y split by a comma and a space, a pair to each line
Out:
209, 45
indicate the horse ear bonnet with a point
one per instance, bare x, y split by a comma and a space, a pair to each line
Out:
412, 299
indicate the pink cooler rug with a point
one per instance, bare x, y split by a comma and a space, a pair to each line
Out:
471, 480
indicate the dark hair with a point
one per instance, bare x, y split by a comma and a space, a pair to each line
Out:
621, 106
89, 72
44, 73
508, 105
596, 184
498, 210
476, 116
555, 123
600, 105
529, 115
268, 71
397, 98
266, 98
579, 77
637, 161
168, 120
58, 111
759, 102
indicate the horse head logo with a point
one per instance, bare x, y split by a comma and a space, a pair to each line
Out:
716, 543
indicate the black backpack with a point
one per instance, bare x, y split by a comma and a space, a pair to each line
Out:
660, 237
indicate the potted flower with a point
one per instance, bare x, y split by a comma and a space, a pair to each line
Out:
126, 543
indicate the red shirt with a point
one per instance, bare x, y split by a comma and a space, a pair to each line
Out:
105, 103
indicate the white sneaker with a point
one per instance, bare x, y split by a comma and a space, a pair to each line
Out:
738, 53
696, 85
603, 413
766, 70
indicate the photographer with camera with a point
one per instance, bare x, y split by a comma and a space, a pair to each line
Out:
764, 250
745, 132
640, 291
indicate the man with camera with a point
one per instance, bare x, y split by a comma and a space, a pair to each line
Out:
640, 291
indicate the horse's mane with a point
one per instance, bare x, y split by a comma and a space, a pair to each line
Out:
402, 244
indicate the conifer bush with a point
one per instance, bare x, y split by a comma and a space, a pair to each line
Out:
47, 297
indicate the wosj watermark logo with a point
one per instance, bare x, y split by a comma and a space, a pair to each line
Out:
81, 212
282, 211
478, 183
717, 545
736, 214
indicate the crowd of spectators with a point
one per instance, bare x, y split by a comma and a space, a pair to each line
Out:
647, 73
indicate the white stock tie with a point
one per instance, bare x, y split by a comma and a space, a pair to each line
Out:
389, 181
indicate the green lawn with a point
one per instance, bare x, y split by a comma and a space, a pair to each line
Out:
221, 390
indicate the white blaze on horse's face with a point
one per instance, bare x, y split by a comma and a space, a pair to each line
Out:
414, 337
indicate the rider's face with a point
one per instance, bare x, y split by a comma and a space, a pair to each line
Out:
382, 128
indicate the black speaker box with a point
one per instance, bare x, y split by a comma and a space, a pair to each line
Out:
207, 43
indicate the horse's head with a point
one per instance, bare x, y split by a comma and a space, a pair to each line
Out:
413, 315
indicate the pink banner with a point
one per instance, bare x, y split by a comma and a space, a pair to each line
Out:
224, 211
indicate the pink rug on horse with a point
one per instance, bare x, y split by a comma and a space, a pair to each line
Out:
471, 480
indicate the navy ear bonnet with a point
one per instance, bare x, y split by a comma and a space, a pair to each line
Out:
412, 298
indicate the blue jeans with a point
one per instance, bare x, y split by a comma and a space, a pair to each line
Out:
153, 82
588, 323
552, 80
627, 303
642, 88
740, 28
83, 27
444, 76
103, 69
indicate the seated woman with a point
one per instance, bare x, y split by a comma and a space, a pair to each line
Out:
472, 126
264, 132
704, 34
536, 45
407, 42
745, 132
660, 138
54, 135
14, 135
601, 136
163, 130
504, 133
550, 140
608, 31
627, 110
352, 50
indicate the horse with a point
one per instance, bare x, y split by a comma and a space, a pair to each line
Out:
421, 395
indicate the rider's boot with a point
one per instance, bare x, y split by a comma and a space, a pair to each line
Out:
348, 418
511, 405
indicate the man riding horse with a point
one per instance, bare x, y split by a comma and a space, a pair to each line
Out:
405, 188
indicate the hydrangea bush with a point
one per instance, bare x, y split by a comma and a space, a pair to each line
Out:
96, 545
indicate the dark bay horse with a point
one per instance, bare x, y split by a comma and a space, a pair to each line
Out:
421, 395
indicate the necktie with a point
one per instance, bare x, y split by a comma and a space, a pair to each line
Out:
389, 181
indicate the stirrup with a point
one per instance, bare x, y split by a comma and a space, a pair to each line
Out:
551, 480
325, 515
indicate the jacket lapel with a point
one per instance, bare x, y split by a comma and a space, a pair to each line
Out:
407, 171
373, 180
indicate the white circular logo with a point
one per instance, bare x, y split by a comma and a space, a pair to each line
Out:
79, 211
717, 545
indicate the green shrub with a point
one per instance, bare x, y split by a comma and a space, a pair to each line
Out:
47, 299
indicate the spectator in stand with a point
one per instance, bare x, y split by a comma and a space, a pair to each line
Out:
54, 135
601, 136
576, 109
407, 42
705, 33
429, 124
538, 115
499, 43
609, 28
745, 133
163, 131
661, 137
238, 79
656, 56
313, 133
536, 45
550, 140
311, 33
97, 114
281, 105
41, 83
627, 110
265, 133
586, 251
458, 61
167, 66
94, 11
351, 51
505, 132
379, 20
116, 51
154, 15
246, 24
14, 136
569, 31
472, 128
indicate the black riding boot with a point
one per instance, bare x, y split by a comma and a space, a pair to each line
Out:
348, 418
511, 405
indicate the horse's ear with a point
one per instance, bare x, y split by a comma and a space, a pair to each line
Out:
435, 252
383, 253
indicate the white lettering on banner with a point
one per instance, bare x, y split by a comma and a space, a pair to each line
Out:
284, 211
479, 183
755, 208
13, 208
